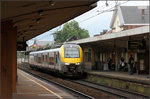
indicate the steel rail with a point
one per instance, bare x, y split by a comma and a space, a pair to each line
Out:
75, 93
115, 91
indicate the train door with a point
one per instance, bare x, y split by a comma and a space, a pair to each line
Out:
39, 59
55, 61
42, 60
51, 60
35, 59
47, 61
31, 59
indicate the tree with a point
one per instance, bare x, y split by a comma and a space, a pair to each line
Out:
46, 45
70, 29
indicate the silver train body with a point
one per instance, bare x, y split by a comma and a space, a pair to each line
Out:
68, 59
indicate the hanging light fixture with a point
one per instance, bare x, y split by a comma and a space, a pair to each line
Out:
38, 20
52, 3
30, 26
40, 12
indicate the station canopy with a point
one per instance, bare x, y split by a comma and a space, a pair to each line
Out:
35, 17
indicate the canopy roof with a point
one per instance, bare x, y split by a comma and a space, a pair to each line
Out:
35, 17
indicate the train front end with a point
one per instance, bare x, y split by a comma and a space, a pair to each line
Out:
71, 59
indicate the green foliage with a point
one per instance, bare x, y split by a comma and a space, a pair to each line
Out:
70, 29
33, 47
47, 45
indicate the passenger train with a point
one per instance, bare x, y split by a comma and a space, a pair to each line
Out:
68, 59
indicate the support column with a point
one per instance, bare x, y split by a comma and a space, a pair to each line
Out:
8, 65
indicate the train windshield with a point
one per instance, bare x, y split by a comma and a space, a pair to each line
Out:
72, 52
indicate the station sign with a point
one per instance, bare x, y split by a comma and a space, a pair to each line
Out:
135, 44
21, 46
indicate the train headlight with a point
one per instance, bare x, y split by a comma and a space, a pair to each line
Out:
67, 64
78, 64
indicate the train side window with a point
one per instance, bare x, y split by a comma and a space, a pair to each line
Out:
45, 58
39, 58
51, 59
35, 58
42, 60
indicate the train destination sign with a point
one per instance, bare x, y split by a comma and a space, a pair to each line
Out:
135, 44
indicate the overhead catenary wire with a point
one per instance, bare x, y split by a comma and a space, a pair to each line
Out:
87, 14
107, 10
98, 13
59, 27
95, 10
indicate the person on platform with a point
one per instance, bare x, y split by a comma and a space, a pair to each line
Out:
122, 64
109, 63
131, 63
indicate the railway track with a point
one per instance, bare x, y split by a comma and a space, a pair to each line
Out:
75, 93
119, 93
91, 93
115, 91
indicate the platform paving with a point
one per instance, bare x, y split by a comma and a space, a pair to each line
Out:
122, 80
29, 87
123, 75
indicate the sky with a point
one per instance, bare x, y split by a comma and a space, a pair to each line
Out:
95, 20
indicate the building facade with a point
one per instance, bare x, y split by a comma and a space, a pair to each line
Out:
129, 17
98, 49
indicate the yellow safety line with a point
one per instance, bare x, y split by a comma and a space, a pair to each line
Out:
43, 87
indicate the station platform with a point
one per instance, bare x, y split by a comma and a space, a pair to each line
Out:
29, 87
121, 80
123, 76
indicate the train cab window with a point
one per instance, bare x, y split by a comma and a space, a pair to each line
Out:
72, 52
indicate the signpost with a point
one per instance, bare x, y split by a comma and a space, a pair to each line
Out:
21, 46
135, 44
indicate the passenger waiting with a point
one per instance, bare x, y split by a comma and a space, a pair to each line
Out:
109, 63
122, 64
131, 63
